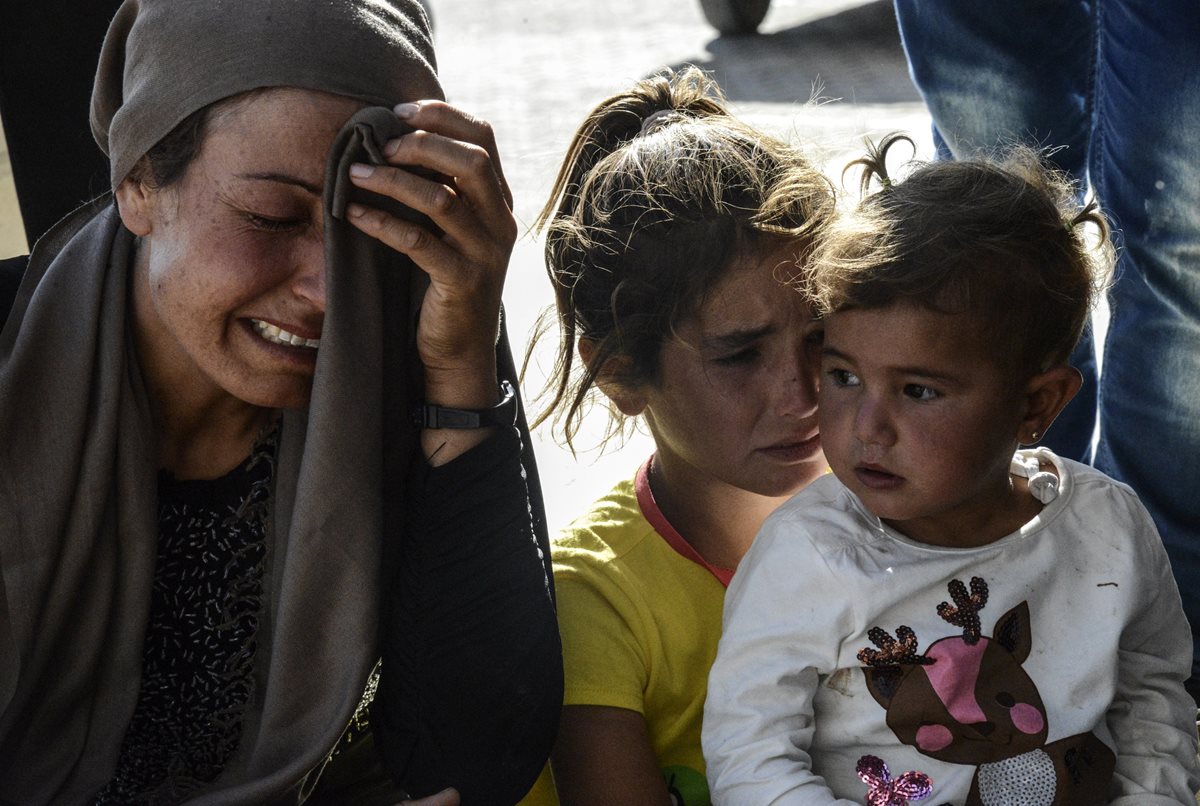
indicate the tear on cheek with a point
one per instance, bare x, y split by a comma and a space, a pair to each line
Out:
932, 738
1026, 718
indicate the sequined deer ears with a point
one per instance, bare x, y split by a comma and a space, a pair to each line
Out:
902, 649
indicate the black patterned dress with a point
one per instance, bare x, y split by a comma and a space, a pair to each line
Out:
197, 661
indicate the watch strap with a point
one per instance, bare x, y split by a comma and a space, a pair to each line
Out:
431, 415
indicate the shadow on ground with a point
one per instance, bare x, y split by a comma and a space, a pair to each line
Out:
853, 56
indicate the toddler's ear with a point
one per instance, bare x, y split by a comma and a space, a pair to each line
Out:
611, 379
1047, 394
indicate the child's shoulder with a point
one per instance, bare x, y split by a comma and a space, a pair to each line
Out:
822, 504
1092, 493
622, 530
609, 529
824, 516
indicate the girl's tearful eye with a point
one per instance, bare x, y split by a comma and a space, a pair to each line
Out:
741, 357
842, 377
920, 392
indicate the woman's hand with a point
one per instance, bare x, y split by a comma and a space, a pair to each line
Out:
466, 264
447, 797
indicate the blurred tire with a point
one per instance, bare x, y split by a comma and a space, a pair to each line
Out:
735, 16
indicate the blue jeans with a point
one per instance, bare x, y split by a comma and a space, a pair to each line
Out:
1116, 85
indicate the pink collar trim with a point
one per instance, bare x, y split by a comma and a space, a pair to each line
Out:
650, 510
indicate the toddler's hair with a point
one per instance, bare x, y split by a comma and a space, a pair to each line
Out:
1003, 240
660, 192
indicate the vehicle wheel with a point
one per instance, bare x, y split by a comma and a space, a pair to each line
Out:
734, 16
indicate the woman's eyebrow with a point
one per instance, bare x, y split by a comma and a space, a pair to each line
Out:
287, 179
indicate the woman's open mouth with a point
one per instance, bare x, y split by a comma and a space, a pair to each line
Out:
277, 335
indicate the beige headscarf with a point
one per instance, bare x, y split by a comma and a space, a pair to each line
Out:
77, 473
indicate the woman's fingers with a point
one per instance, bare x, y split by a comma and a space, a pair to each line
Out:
447, 169
449, 207
442, 259
441, 118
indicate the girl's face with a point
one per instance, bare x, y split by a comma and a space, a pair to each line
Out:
230, 290
736, 399
920, 422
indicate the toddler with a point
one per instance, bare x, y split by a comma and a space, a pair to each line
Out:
951, 617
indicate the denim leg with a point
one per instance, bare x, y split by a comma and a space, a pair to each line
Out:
1145, 165
998, 73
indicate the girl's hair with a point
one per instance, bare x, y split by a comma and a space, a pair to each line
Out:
1003, 240
661, 190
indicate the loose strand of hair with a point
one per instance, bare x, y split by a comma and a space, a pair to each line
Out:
874, 162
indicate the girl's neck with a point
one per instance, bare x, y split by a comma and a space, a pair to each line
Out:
717, 519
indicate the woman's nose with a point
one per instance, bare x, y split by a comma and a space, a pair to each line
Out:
308, 279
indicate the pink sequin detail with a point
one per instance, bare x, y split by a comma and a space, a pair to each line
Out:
954, 675
883, 790
1026, 718
932, 738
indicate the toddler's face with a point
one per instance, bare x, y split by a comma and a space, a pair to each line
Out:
921, 423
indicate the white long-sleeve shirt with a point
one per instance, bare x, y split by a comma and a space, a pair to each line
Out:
1079, 662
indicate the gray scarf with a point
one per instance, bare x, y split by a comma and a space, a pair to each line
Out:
77, 508
77, 467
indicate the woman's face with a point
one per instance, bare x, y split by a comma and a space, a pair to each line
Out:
229, 287
736, 401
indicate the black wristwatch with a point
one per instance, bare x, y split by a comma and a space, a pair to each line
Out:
431, 415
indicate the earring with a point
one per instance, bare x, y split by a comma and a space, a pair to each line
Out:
1035, 436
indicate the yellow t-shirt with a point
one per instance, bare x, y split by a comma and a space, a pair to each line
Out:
640, 615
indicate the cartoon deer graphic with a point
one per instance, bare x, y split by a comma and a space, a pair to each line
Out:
968, 700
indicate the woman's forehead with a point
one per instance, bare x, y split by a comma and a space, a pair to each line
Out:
284, 130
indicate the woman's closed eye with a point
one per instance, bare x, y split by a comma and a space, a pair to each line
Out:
270, 224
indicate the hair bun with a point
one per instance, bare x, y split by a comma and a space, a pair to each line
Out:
660, 118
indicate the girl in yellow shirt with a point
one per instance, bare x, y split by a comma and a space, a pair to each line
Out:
677, 237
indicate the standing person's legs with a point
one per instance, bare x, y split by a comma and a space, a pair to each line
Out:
998, 73
1145, 166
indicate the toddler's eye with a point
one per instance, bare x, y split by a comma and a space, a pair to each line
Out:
918, 392
842, 377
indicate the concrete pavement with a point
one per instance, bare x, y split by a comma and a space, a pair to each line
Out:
534, 68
